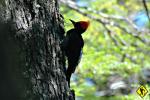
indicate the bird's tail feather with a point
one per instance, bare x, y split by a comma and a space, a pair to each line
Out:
68, 75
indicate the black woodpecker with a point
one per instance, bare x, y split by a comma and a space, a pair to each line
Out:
73, 44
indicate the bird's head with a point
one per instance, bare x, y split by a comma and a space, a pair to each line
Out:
80, 26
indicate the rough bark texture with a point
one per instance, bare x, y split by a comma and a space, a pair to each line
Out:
35, 34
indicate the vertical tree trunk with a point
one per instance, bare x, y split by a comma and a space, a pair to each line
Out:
36, 69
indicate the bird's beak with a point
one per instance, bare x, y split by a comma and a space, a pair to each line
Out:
73, 22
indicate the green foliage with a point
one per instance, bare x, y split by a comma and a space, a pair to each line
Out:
101, 56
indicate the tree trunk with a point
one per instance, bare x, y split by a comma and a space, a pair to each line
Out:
32, 62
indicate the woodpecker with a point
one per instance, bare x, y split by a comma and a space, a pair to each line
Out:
73, 44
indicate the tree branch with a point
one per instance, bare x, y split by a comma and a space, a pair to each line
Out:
146, 9
106, 20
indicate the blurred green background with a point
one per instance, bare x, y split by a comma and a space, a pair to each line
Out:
116, 54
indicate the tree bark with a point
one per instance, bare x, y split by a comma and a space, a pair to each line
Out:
34, 64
